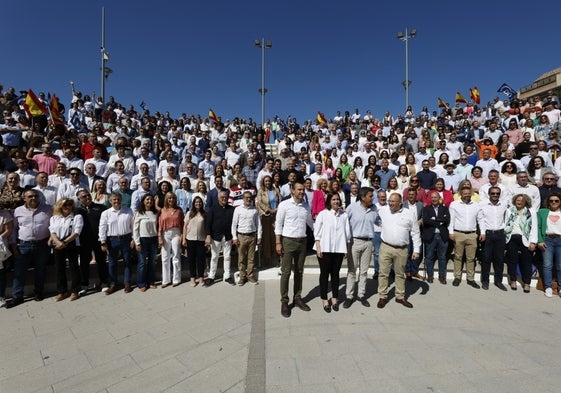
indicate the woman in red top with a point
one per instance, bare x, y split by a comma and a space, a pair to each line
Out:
318, 198
446, 196
170, 225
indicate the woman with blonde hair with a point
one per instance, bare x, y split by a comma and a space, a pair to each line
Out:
99, 193
170, 225
65, 228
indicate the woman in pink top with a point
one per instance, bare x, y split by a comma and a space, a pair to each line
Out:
170, 225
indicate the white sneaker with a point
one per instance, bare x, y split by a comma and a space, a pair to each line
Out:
104, 287
548, 292
2, 302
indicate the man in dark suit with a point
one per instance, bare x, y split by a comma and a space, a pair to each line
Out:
436, 219
89, 241
412, 266
212, 196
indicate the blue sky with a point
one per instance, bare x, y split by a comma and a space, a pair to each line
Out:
326, 55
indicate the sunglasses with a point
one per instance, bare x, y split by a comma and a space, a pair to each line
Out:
554, 201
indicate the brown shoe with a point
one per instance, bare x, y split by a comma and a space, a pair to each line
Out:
128, 288
165, 285
404, 302
418, 277
442, 280
285, 310
382, 302
153, 286
252, 280
430, 279
61, 296
112, 289
74, 296
143, 289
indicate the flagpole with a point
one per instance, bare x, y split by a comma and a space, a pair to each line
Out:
103, 54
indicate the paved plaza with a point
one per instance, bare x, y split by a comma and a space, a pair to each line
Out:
234, 339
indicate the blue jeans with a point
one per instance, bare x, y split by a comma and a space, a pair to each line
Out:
412, 266
551, 254
377, 241
115, 246
436, 249
39, 254
146, 269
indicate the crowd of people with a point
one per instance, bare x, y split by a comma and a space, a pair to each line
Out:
121, 187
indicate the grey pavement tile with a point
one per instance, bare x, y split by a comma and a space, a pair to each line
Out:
118, 348
322, 388
453, 383
204, 330
240, 387
218, 377
281, 371
98, 378
39, 378
291, 347
17, 362
387, 364
134, 324
154, 379
148, 356
378, 386
207, 354
322, 369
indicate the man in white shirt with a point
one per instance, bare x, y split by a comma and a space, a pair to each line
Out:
290, 237
246, 234
487, 163
494, 182
462, 230
100, 164
314, 177
398, 223
492, 223
115, 235
523, 187
47, 194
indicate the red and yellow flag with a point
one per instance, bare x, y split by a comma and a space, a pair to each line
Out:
442, 104
321, 118
474, 93
460, 98
33, 105
56, 118
212, 116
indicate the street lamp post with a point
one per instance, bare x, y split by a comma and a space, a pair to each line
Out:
406, 37
263, 45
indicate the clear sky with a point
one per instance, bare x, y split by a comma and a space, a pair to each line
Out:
189, 56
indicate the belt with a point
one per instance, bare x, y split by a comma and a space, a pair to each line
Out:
247, 234
496, 231
552, 236
34, 241
120, 236
366, 239
393, 246
295, 239
464, 232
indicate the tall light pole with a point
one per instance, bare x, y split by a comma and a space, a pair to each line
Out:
406, 37
263, 45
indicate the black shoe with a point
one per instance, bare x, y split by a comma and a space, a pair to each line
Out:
375, 276
14, 302
38, 296
485, 285
473, 284
327, 307
335, 306
209, 282
500, 285
364, 302
230, 281
348, 303
285, 310
456, 282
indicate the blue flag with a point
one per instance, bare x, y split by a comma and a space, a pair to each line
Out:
507, 90
143, 105
75, 121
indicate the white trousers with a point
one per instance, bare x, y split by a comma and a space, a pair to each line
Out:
171, 256
216, 246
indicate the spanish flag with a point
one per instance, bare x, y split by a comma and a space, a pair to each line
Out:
442, 104
33, 105
56, 118
474, 93
321, 118
212, 116
460, 98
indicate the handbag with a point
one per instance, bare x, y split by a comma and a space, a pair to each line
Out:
5, 252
